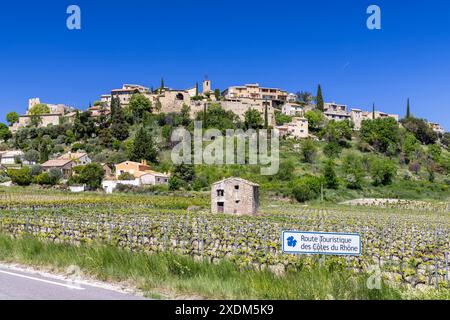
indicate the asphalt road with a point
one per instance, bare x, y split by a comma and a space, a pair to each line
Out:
23, 285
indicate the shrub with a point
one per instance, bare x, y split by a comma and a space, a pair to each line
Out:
308, 150
382, 171
383, 134
21, 177
330, 177
126, 176
353, 171
175, 183
332, 149
55, 175
92, 175
44, 179
306, 188
35, 170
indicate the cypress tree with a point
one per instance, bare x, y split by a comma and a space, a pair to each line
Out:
143, 147
408, 110
119, 126
162, 84
373, 111
331, 180
196, 89
319, 99
115, 104
266, 117
204, 115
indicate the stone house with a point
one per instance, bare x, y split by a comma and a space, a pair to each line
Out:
235, 196
65, 166
80, 158
142, 172
297, 128
11, 157
131, 167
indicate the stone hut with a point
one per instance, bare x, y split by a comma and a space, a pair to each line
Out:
235, 196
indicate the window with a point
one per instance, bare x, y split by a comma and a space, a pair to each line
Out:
220, 193
237, 201
236, 187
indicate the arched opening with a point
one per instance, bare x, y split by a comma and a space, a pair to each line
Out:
180, 96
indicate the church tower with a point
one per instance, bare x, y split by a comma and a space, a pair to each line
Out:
206, 86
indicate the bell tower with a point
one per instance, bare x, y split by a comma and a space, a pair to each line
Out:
206, 85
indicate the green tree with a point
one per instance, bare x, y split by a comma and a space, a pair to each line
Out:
330, 177
185, 114
252, 119
139, 106
338, 131
183, 175
12, 117
217, 93
5, 133
281, 118
92, 175
216, 117
266, 116
32, 156
115, 104
319, 99
316, 120
39, 109
306, 188
383, 133
435, 152
143, 147
446, 140
410, 146
304, 97
119, 126
421, 130
382, 171
332, 149
408, 110
353, 171
308, 150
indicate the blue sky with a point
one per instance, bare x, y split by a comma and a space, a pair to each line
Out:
289, 44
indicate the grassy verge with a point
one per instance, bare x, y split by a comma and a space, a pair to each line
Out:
171, 276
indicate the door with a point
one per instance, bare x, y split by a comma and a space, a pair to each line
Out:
220, 206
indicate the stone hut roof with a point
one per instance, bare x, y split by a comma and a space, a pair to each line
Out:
237, 179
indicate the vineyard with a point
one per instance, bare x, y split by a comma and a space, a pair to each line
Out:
409, 245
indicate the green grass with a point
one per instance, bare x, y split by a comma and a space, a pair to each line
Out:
169, 276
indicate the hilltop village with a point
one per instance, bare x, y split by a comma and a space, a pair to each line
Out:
121, 142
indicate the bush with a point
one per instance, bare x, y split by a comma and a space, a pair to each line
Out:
308, 150
91, 175
126, 176
332, 149
21, 177
306, 188
175, 183
382, 171
382, 134
55, 175
330, 177
44, 179
353, 170
35, 170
